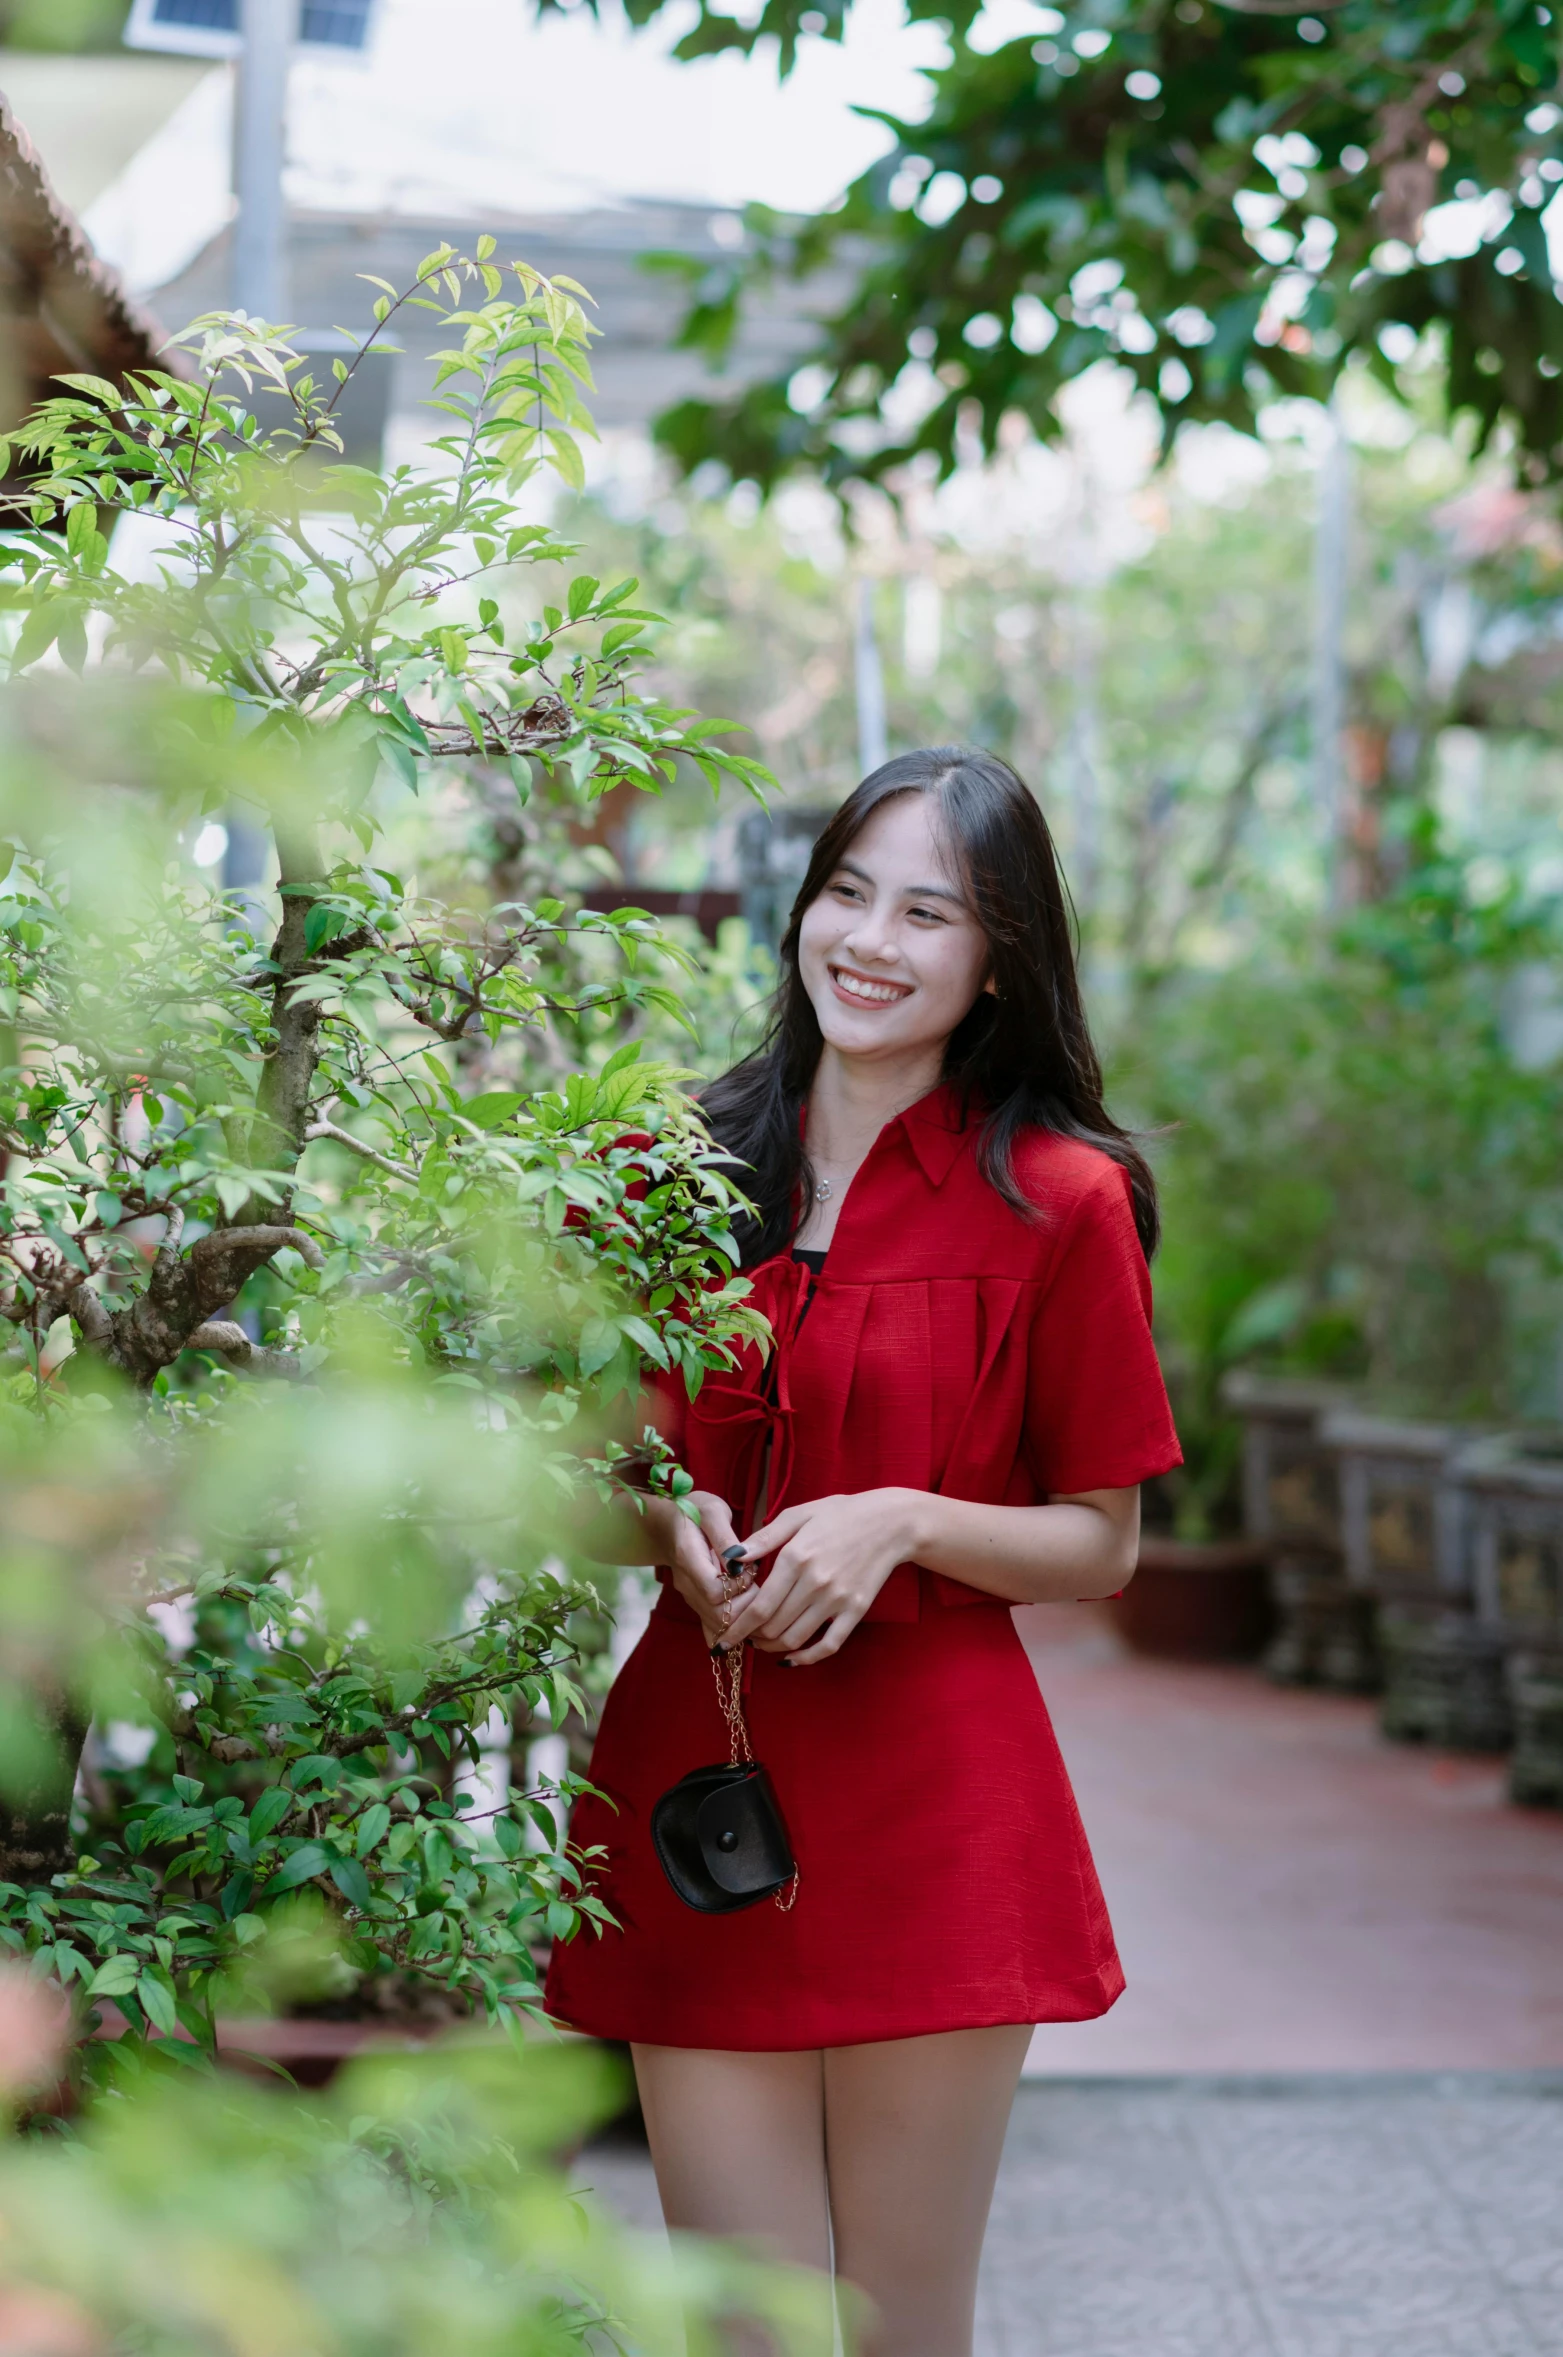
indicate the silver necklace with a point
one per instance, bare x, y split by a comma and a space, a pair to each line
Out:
823, 1191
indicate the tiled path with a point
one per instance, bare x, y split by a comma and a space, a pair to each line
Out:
1327, 2118
1320, 2219
1315, 2217
1289, 1891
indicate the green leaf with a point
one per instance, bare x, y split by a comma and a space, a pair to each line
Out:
565, 453
39, 632
157, 2003
236, 1898
96, 387
373, 1826
351, 1881
269, 1811
582, 592
399, 757
300, 1865
621, 1059
322, 923
438, 1857
116, 1978
493, 1109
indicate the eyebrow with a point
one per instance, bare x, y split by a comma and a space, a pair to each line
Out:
914, 892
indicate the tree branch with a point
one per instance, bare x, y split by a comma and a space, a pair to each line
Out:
345, 1137
182, 1297
228, 1340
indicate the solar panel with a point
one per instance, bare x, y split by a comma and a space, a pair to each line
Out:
219, 16
210, 28
336, 24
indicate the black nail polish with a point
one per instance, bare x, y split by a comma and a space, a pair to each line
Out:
720, 1650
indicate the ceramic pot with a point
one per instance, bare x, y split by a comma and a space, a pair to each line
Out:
1191, 1602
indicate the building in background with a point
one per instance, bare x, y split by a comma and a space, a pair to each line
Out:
445, 122
61, 309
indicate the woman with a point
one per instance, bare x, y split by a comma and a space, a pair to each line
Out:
962, 1402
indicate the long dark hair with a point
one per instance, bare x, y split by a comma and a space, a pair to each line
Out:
1024, 1056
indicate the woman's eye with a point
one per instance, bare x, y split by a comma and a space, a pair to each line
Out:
935, 916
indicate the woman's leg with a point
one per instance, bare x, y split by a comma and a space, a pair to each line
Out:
913, 2132
738, 2142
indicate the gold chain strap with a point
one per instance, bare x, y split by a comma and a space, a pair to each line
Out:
728, 1671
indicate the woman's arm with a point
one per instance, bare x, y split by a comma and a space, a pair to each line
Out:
652, 1529
833, 1555
1078, 1546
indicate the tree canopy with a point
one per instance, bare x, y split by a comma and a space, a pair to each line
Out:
1229, 198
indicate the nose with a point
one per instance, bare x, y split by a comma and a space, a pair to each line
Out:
871, 938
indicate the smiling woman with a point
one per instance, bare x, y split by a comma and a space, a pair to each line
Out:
949, 1244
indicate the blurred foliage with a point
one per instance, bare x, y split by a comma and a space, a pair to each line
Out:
418, 2205
343, 1212
1363, 1177
71, 25
1229, 199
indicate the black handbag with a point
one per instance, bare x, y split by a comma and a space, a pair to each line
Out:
718, 1831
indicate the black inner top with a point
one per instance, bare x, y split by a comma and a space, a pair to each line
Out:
810, 1260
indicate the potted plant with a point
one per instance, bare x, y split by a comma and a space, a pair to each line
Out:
1404, 1526
1511, 1486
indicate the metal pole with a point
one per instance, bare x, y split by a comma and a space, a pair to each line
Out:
1085, 743
260, 123
872, 743
259, 278
1331, 562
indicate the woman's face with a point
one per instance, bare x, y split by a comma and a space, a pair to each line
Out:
890, 953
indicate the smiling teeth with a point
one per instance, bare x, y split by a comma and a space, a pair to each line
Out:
883, 994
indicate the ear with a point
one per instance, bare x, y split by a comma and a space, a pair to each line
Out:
991, 985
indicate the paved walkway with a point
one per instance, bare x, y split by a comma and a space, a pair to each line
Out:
1357, 2217
1325, 2219
1290, 1892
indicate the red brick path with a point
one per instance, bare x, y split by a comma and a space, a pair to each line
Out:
1290, 1892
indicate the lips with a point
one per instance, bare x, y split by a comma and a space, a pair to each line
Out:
866, 993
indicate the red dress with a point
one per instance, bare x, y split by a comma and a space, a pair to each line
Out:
945, 1882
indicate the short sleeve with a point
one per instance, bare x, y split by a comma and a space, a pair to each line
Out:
1097, 1415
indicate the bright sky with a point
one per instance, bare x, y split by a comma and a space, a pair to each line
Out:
471, 106
499, 107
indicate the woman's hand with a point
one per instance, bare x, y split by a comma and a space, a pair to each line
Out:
693, 1554
832, 1557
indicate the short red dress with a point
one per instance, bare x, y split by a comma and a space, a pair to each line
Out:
944, 1878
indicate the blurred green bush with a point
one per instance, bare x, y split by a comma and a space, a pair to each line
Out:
418, 2206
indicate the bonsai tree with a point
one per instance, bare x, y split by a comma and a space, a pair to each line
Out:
402, 1156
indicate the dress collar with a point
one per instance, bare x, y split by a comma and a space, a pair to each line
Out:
936, 1128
